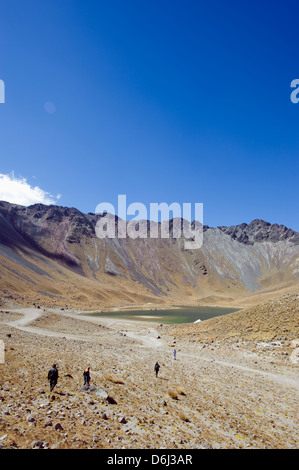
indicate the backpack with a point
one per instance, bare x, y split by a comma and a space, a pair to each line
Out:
52, 374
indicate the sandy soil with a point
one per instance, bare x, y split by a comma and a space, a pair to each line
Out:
214, 395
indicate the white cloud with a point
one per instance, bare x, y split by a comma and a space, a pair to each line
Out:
18, 191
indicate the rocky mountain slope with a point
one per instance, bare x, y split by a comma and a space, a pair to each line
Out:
233, 385
50, 255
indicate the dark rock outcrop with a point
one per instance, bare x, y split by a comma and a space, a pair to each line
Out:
259, 231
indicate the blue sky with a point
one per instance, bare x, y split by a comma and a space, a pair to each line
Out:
164, 101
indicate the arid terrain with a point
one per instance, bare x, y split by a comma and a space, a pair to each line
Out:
233, 385
51, 256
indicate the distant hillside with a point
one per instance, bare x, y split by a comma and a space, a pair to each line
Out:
51, 255
275, 320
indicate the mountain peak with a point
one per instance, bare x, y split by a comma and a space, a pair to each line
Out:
259, 230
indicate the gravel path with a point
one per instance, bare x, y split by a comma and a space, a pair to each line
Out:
210, 397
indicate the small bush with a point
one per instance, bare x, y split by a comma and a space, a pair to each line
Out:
180, 390
173, 394
113, 378
183, 417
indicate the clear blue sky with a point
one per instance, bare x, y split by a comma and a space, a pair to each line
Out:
164, 101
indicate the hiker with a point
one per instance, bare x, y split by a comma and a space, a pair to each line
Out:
174, 354
86, 375
157, 367
53, 376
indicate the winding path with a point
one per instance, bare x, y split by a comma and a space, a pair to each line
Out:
148, 339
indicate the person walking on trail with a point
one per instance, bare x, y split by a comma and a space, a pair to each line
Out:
174, 354
86, 375
53, 377
157, 367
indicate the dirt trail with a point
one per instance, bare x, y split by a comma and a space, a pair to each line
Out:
29, 315
212, 397
145, 335
148, 337
275, 377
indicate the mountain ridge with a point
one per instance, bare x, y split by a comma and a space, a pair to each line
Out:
54, 250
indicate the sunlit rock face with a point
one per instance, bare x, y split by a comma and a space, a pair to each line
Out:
55, 251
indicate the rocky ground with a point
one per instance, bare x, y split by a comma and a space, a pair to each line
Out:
234, 384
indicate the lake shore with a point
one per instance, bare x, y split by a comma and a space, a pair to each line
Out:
177, 314
215, 395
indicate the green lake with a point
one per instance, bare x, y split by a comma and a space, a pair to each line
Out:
179, 314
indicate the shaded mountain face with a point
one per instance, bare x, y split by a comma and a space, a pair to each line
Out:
53, 253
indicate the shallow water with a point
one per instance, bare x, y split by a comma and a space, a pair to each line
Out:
178, 315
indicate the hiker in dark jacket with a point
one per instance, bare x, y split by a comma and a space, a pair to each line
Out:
86, 375
157, 367
53, 376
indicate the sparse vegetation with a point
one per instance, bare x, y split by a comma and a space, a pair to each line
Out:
232, 393
183, 417
113, 378
173, 394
